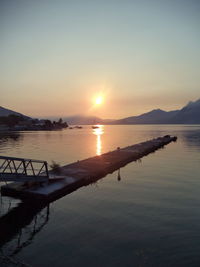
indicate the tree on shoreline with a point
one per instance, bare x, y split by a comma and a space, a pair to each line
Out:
15, 120
11, 120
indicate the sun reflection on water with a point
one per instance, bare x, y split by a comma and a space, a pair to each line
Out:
98, 131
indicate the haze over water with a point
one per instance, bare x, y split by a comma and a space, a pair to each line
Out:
146, 215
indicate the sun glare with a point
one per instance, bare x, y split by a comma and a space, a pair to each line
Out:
99, 100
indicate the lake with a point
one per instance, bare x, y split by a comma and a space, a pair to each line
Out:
145, 214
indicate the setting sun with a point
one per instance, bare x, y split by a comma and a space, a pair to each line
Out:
99, 100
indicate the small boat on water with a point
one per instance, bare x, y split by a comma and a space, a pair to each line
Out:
76, 127
95, 127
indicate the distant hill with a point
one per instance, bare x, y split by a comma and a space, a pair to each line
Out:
4, 112
78, 119
190, 114
155, 116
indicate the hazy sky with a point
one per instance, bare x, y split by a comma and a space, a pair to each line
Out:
56, 55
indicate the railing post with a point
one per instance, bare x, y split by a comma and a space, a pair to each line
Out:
24, 165
7, 161
32, 168
14, 166
1, 167
46, 168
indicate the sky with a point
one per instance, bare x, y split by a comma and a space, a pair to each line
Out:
57, 56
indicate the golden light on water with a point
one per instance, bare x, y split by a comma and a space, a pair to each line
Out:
98, 132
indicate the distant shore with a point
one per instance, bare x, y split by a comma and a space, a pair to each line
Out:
21, 123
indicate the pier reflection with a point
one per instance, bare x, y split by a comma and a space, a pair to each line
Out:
119, 175
20, 225
98, 132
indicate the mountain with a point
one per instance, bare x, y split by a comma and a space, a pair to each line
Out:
78, 119
4, 112
156, 116
190, 114
82, 120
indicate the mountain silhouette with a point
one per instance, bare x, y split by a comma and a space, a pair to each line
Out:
4, 112
79, 119
190, 114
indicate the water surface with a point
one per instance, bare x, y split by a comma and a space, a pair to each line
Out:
146, 215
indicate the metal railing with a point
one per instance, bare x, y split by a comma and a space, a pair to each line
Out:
21, 170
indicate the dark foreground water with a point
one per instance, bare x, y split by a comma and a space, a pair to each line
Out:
146, 215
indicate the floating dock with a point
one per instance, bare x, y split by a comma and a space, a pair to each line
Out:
84, 172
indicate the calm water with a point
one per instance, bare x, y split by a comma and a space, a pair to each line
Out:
151, 217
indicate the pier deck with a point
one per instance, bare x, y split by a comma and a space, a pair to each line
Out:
83, 172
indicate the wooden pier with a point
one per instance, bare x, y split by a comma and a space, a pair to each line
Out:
80, 173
